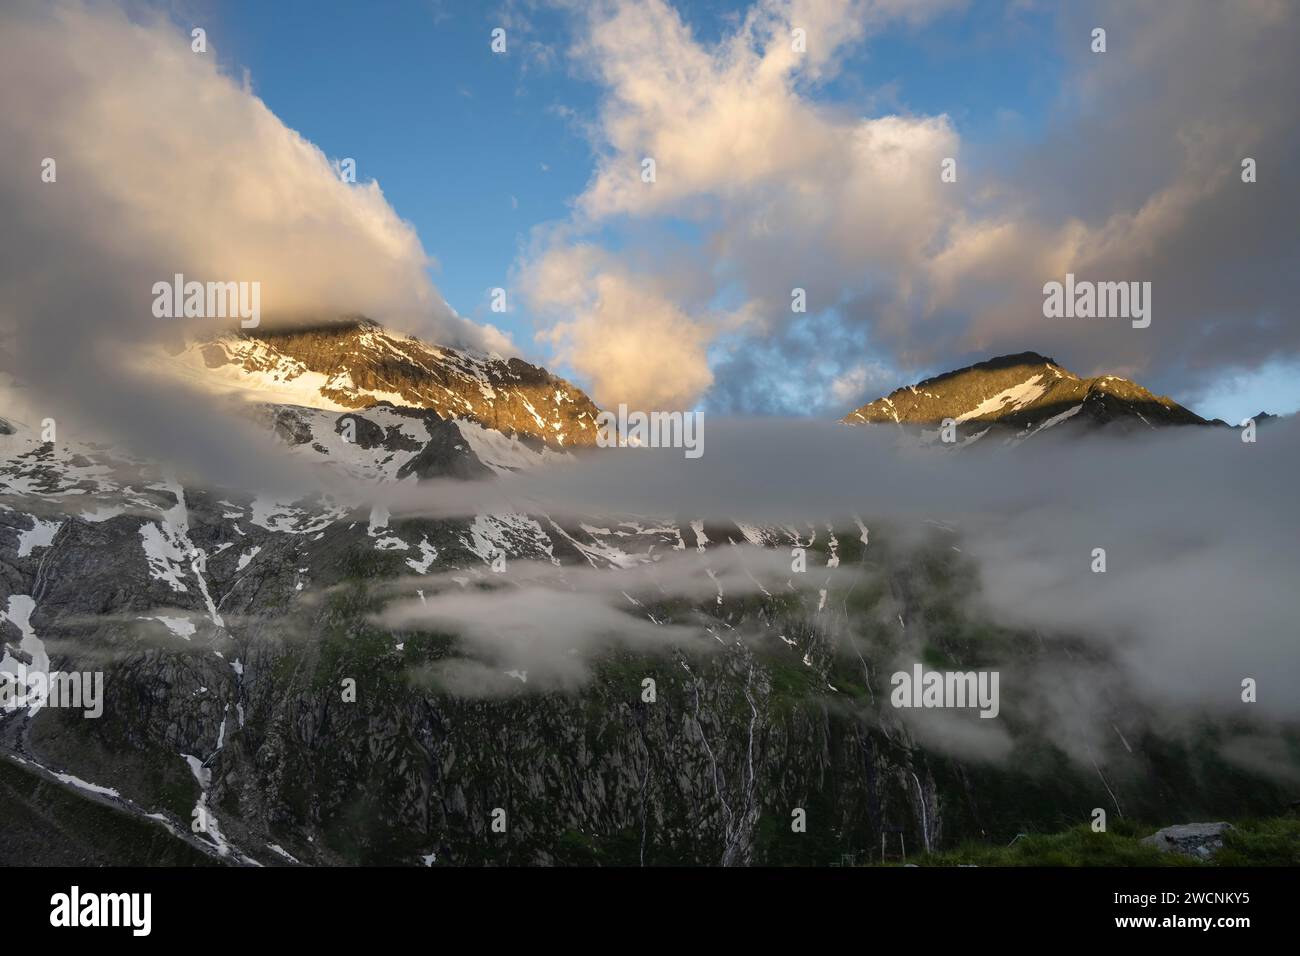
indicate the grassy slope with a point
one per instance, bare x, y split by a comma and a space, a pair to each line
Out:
45, 824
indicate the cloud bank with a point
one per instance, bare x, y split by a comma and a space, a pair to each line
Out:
1194, 522
1135, 177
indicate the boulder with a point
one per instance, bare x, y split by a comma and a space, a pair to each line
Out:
1199, 840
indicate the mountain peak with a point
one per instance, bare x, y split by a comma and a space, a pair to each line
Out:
1021, 395
357, 363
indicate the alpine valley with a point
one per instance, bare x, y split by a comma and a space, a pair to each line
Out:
257, 711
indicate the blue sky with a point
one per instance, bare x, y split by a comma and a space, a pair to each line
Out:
474, 148
477, 149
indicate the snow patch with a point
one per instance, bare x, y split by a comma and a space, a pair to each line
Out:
39, 535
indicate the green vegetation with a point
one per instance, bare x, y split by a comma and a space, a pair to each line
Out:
1269, 842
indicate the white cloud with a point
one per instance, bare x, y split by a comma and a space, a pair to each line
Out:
165, 164
619, 330
850, 388
1136, 178
794, 195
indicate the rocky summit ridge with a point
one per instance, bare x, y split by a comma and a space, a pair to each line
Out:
1021, 396
357, 364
